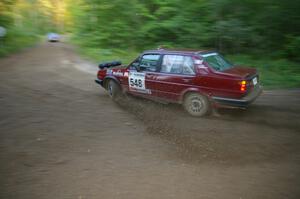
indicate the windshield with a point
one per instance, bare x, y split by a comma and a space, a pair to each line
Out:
216, 61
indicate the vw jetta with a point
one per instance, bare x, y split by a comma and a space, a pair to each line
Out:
199, 80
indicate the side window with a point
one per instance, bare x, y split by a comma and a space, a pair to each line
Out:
177, 64
134, 64
188, 66
149, 62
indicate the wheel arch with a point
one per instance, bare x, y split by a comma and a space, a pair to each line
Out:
108, 78
194, 90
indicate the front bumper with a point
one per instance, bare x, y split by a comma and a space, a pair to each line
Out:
53, 39
243, 102
100, 82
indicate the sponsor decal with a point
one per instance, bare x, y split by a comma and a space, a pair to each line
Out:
118, 73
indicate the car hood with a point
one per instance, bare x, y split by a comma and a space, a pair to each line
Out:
241, 71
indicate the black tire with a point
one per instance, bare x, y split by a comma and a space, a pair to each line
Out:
114, 90
196, 104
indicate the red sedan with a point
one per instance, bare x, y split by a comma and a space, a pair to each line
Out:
199, 80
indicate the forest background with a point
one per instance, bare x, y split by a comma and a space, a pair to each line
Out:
259, 33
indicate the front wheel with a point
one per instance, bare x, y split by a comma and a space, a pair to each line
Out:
196, 104
114, 89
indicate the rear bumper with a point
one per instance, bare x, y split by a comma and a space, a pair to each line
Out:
243, 102
53, 39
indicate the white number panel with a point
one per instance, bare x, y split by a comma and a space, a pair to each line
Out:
136, 81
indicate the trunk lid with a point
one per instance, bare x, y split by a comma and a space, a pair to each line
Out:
243, 72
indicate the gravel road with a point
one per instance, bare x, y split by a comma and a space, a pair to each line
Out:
62, 137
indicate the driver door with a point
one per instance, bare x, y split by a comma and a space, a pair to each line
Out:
141, 78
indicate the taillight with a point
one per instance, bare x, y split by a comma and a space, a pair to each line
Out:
243, 85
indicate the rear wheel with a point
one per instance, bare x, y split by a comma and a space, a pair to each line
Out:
196, 104
114, 89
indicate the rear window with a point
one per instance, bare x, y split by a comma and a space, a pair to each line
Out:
216, 61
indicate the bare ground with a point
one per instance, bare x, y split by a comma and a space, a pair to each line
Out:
62, 137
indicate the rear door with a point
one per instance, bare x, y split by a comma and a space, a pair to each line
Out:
141, 81
176, 74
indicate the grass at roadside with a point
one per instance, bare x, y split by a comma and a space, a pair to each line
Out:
16, 40
103, 55
278, 73
274, 73
100, 55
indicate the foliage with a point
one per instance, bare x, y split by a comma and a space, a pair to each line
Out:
274, 73
25, 20
16, 39
231, 26
266, 29
293, 48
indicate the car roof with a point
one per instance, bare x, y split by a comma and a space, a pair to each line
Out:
178, 51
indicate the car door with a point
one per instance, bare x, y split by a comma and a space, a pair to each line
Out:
141, 76
176, 74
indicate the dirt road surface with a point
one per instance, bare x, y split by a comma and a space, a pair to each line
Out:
62, 137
